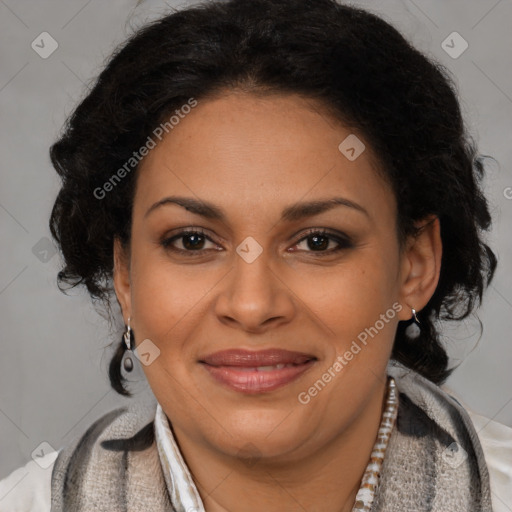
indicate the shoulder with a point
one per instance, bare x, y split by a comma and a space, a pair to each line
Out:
496, 441
29, 488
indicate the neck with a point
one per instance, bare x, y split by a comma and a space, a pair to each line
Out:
326, 479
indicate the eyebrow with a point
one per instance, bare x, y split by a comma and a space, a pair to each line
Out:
291, 213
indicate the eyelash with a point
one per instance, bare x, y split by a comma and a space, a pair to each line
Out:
343, 241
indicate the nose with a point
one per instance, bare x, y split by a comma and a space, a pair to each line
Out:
254, 298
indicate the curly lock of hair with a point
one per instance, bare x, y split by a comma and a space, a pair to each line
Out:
354, 63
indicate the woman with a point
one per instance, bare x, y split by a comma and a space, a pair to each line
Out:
284, 200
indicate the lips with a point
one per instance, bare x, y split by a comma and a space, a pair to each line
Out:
256, 371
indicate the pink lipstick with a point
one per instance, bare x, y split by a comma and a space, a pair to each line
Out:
257, 371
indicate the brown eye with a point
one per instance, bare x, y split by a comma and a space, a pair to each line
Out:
322, 241
318, 242
187, 241
193, 241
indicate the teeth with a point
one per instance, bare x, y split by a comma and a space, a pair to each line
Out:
274, 367
267, 368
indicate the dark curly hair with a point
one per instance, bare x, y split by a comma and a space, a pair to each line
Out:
358, 66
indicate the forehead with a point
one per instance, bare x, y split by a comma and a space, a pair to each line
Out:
243, 152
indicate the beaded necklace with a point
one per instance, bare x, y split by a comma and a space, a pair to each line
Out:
370, 480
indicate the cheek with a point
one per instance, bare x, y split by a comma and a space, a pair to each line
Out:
164, 294
353, 294
356, 309
167, 302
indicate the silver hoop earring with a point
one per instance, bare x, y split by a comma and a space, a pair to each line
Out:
128, 362
413, 330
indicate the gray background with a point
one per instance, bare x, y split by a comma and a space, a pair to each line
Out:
54, 348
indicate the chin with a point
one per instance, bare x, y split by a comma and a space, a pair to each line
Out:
262, 434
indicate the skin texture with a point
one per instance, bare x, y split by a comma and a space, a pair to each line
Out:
252, 157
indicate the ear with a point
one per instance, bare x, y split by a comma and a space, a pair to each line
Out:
121, 278
420, 266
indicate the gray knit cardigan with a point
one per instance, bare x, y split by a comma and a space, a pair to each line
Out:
434, 461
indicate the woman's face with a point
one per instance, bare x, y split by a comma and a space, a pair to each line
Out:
220, 312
